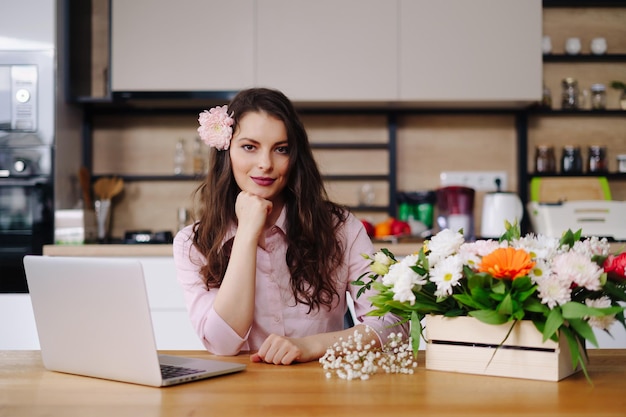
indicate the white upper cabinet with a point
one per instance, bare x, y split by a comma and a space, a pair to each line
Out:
328, 50
422, 52
481, 51
183, 45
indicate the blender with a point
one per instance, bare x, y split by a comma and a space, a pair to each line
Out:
455, 206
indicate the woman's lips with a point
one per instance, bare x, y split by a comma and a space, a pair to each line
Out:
264, 181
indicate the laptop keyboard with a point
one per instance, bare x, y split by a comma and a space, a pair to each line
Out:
169, 371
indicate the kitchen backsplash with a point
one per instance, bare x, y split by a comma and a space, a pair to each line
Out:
426, 145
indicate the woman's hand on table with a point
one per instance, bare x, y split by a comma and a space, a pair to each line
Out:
281, 350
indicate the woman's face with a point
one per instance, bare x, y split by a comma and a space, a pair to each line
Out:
260, 156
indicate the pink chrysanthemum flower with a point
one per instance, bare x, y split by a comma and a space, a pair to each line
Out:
216, 127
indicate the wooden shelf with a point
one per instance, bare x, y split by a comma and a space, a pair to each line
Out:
582, 58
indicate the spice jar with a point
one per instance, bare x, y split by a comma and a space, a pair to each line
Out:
570, 97
571, 160
545, 162
598, 97
597, 159
621, 163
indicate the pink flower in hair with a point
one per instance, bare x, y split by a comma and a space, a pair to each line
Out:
216, 127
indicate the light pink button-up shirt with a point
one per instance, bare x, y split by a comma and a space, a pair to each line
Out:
275, 309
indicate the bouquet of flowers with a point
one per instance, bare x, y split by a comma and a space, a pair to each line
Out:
565, 286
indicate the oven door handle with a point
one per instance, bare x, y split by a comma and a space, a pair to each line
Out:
23, 182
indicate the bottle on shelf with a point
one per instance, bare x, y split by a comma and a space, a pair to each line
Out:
545, 162
598, 97
179, 157
570, 97
571, 160
199, 162
597, 159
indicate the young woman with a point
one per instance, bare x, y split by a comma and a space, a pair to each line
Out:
267, 265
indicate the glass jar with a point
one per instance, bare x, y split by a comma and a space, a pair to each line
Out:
179, 157
545, 162
598, 97
570, 97
546, 98
571, 160
621, 163
597, 159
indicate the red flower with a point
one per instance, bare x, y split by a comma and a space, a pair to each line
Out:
615, 266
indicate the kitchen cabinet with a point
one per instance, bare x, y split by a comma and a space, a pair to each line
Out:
451, 53
457, 52
328, 50
189, 45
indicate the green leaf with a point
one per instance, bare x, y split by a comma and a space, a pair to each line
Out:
583, 328
469, 302
553, 322
614, 291
533, 305
506, 306
575, 351
618, 85
416, 331
489, 316
499, 287
574, 310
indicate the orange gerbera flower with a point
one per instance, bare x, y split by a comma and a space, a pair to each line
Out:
507, 263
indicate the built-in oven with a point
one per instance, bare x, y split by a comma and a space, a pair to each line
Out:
27, 97
26, 224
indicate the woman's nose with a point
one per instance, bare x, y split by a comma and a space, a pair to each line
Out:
265, 160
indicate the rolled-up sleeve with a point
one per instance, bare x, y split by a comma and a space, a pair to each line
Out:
359, 243
216, 335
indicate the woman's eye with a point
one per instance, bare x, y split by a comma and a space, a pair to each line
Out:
282, 149
248, 147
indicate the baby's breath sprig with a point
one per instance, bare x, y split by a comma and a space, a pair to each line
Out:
352, 359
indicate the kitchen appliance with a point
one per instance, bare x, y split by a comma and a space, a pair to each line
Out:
147, 236
500, 207
455, 206
600, 218
27, 94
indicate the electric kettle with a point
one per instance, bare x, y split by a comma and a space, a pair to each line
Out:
499, 207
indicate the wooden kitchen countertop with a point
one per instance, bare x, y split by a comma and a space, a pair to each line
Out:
108, 250
27, 389
398, 249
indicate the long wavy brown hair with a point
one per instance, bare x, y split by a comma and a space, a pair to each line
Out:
314, 251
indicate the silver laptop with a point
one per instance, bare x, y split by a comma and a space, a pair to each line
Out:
93, 319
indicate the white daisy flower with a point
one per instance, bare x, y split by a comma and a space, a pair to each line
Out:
403, 279
443, 244
538, 246
446, 274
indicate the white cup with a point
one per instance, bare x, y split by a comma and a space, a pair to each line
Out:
546, 45
598, 46
572, 46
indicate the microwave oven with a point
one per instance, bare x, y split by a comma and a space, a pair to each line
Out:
18, 97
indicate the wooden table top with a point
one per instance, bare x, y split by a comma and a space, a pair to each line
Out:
27, 389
